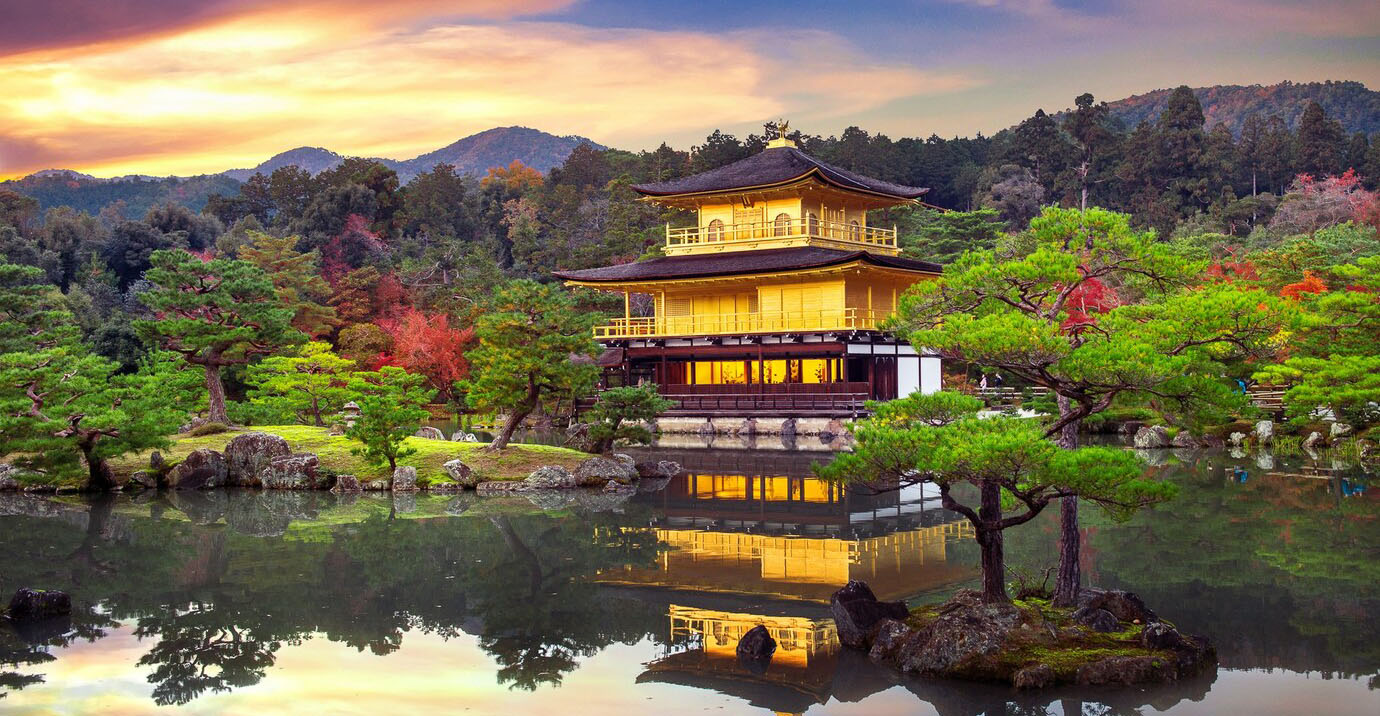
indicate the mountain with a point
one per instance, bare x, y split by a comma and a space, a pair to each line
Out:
475, 154
313, 159
498, 147
1351, 103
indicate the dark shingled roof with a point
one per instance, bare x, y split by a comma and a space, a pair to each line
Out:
777, 165
735, 262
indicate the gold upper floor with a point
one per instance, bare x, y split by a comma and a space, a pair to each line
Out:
809, 214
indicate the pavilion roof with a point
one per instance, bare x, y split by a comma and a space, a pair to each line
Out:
772, 167
741, 262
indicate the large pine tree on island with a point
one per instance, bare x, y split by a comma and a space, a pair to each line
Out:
214, 313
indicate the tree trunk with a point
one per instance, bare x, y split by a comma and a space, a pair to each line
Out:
316, 412
98, 477
215, 407
515, 418
993, 551
1069, 579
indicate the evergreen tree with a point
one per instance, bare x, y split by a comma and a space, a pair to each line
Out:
390, 409
215, 313
295, 279
1320, 143
308, 385
528, 334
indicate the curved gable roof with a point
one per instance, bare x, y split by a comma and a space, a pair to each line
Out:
774, 166
740, 262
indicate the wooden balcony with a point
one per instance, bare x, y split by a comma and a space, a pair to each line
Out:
771, 400
773, 234
828, 319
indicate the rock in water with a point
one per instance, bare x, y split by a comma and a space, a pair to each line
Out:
294, 472
249, 455
966, 630
429, 433
596, 471
661, 469
34, 604
550, 477
1313, 440
1151, 436
1185, 439
404, 478
756, 648
347, 483
1265, 432
202, 470
462, 474
857, 613
1037, 676
1236, 439
1338, 430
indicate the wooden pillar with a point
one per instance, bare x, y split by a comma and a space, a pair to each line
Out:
627, 307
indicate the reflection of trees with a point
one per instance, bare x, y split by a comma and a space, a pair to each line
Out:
198, 650
1279, 571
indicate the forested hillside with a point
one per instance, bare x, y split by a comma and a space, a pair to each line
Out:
1350, 103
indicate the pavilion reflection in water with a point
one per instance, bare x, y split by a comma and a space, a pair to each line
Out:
754, 538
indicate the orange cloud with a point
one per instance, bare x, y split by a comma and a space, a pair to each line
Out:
231, 93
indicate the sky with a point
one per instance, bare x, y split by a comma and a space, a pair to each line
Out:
115, 87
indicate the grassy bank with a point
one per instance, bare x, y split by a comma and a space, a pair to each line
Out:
514, 463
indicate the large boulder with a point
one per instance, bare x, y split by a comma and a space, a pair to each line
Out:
35, 604
1338, 430
295, 472
7, 481
1097, 619
429, 433
1158, 635
462, 474
596, 471
347, 483
1185, 439
204, 469
1151, 436
549, 477
967, 630
249, 455
659, 469
404, 478
1265, 432
1313, 441
857, 613
1125, 606
1236, 439
1125, 671
1035, 676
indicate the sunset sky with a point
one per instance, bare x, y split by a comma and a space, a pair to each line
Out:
114, 87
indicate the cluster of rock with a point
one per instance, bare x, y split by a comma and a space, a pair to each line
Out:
1153, 437
616, 473
967, 638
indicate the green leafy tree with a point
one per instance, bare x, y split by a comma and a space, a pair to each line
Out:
307, 385
1336, 361
1092, 310
528, 333
64, 411
1017, 471
390, 409
215, 313
942, 236
295, 278
621, 414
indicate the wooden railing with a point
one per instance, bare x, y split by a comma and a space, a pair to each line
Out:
841, 398
826, 319
785, 229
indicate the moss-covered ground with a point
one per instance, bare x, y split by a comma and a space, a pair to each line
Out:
513, 463
1047, 635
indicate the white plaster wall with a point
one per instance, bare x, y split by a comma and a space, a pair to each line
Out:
931, 379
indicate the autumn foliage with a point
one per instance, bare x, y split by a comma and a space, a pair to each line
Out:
1309, 284
429, 345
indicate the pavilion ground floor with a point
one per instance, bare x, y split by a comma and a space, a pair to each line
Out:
809, 375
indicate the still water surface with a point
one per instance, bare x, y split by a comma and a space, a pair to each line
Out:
256, 603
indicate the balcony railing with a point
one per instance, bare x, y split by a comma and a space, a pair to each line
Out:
829, 319
784, 229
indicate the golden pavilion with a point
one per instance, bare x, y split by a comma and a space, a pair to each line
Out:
770, 304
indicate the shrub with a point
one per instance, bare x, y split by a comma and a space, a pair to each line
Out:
208, 429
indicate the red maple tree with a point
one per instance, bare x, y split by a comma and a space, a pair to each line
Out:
429, 345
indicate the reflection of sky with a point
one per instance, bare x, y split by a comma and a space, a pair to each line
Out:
432, 675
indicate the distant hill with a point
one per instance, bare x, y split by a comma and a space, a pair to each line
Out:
61, 187
475, 154
1351, 103
313, 159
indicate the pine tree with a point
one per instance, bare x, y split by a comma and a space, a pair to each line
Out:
295, 279
215, 313
1320, 143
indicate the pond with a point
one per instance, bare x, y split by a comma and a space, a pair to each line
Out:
254, 603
